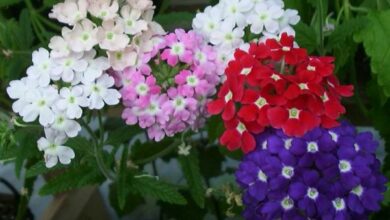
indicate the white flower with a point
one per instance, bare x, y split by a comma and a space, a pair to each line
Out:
38, 103
119, 60
83, 36
132, 21
290, 17
104, 9
227, 35
111, 36
265, 16
65, 125
17, 90
41, 68
59, 47
72, 99
53, 148
235, 10
96, 67
70, 11
99, 92
208, 22
141, 5
66, 67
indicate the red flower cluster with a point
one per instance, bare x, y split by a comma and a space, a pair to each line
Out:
275, 84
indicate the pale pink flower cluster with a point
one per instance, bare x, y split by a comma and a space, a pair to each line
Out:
167, 93
70, 77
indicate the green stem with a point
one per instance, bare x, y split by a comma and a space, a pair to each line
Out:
162, 153
357, 96
359, 9
25, 197
321, 27
282, 66
346, 7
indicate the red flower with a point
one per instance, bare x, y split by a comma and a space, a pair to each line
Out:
302, 85
244, 67
332, 105
336, 89
293, 121
285, 48
259, 51
255, 106
315, 69
238, 134
229, 93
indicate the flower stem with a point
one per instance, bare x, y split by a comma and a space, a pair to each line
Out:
321, 27
346, 7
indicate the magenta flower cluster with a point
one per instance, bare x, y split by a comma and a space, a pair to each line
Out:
166, 93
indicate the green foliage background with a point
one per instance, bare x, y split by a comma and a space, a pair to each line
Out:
358, 35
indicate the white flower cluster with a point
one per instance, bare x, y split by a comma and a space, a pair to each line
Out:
225, 24
72, 76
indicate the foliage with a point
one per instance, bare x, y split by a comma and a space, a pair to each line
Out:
357, 34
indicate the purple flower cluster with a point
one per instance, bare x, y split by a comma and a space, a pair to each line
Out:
327, 174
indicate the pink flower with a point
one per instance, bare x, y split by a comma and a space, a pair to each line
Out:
192, 83
179, 48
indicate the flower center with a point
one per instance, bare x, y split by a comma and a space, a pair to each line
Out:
287, 203
229, 37
177, 49
263, 16
275, 77
358, 190
179, 103
286, 49
60, 120
103, 14
357, 147
325, 97
95, 89
262, 176
334, 136
246, 71
233, 9
192, 81
130, 23
288, 172
294, 113
200, 57
118, 55
311, 68
45, 66
41, 103
85, 36
142, 89
312, 193
110, 36
303, 86
68, 62
241, 128
264, 145
339, 204
228, 96
72, 99
261, 102
288, 143
312, 147
153, 109
345, 166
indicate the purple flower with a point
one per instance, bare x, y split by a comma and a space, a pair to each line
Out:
326, 174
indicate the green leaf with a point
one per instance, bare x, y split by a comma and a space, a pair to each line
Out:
306, 37
191, 171
49, 3
376, 41
172, 20
6, 3
122, 135
121, 182
146, 150
73, 178
81, 144
215, 128
37, 169
158, 189
132, 201
211, 161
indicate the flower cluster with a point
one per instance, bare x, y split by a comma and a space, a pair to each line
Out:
226, 24
326, 174
277, 85
71, 76
167, 93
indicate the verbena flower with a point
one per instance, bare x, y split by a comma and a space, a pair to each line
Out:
312, 177
224, 24
277, 84
167, 93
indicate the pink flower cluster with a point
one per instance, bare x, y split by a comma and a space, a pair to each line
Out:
167, 93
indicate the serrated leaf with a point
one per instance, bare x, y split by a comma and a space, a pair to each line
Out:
191, 170
132, 201
121, 182
376, 41
148, 186
73, 178
306, 36
122, 135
